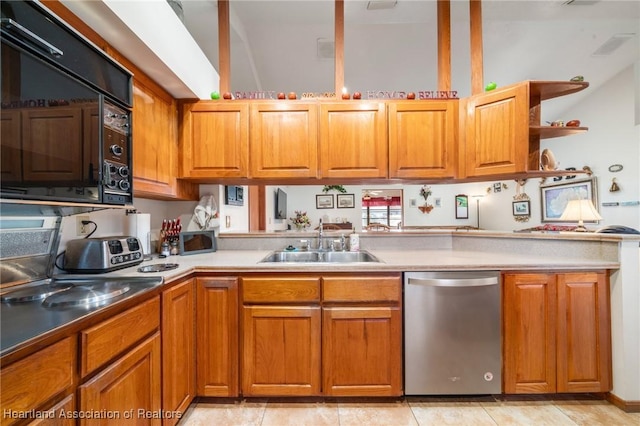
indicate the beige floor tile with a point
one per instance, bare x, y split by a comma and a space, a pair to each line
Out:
526, 413
594, 413
376, 414
301, 414
234, 414
451, 413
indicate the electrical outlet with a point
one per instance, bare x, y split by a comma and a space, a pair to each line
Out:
80, 228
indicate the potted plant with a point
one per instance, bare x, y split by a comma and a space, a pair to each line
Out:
425, 191
301, 221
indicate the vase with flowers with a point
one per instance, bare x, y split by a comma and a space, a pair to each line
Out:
425, 192
301, 221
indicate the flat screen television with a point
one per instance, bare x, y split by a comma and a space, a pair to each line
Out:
281, 204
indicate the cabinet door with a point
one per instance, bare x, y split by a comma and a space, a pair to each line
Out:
215, 139
155, 145
178, 348
422, 139
11, 139
353, 140
43, 161
281, 351
584, 339
130, 383
283, 140
495, 132
529, 333
217, 336
361, 351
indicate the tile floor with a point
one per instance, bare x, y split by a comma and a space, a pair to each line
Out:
412, 411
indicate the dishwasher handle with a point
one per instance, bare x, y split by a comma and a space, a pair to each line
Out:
453, 282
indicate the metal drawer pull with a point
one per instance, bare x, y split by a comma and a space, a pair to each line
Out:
454, 282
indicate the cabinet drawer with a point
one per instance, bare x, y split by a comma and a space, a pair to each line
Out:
280, 289
104, 341
61, 412
361, 289
30, 382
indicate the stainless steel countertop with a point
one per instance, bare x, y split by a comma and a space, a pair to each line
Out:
22, 322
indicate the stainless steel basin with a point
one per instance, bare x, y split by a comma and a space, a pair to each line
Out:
320, 257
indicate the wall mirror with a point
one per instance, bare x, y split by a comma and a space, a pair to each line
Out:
382, 206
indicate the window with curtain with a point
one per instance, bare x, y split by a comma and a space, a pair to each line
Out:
385, 209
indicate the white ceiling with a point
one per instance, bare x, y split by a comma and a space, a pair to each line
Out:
274, 43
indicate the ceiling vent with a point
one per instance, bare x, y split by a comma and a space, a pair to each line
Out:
611, 45
326, 49
381, 4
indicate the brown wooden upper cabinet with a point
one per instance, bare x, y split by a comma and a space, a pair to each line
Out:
501, 131
215, 140
423, 139
353, 140
283, 140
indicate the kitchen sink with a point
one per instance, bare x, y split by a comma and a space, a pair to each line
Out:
320, 257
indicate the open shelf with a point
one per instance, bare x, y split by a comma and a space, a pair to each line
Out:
548, 132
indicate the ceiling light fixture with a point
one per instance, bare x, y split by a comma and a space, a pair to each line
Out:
381, 4
611, 45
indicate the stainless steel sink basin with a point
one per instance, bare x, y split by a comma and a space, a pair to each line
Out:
320, 257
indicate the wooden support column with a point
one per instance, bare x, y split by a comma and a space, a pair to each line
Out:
224, 46
339, 47
257, 208
475, 27
444, 45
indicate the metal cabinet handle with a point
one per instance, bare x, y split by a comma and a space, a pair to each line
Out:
454, 282
10, 24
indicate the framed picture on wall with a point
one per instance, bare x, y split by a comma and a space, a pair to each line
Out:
462, 206
521, 208
324, 201
555, 196
234, 195
346, 201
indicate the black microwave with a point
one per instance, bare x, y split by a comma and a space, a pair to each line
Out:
66, 113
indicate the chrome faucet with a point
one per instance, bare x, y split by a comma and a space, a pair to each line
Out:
320, 236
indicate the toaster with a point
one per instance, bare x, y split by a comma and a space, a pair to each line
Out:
104, 254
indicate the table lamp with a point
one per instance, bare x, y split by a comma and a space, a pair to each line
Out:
580, 210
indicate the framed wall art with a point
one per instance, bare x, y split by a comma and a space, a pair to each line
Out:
521, 208
324, 201
555, 196
462, 207
346, 201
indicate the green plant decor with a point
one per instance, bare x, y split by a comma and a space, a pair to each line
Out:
338, 188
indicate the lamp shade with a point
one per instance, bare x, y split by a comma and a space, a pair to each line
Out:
580, 210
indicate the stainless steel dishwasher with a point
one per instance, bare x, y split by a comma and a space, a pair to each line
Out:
452, 339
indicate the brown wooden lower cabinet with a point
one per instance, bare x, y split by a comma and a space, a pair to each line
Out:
557, 335
217, 336
61, 414
361, 353
178, 349
334, 335
281, 350
31, 382
129, 385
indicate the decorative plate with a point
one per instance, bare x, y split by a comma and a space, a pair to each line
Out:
548, 161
